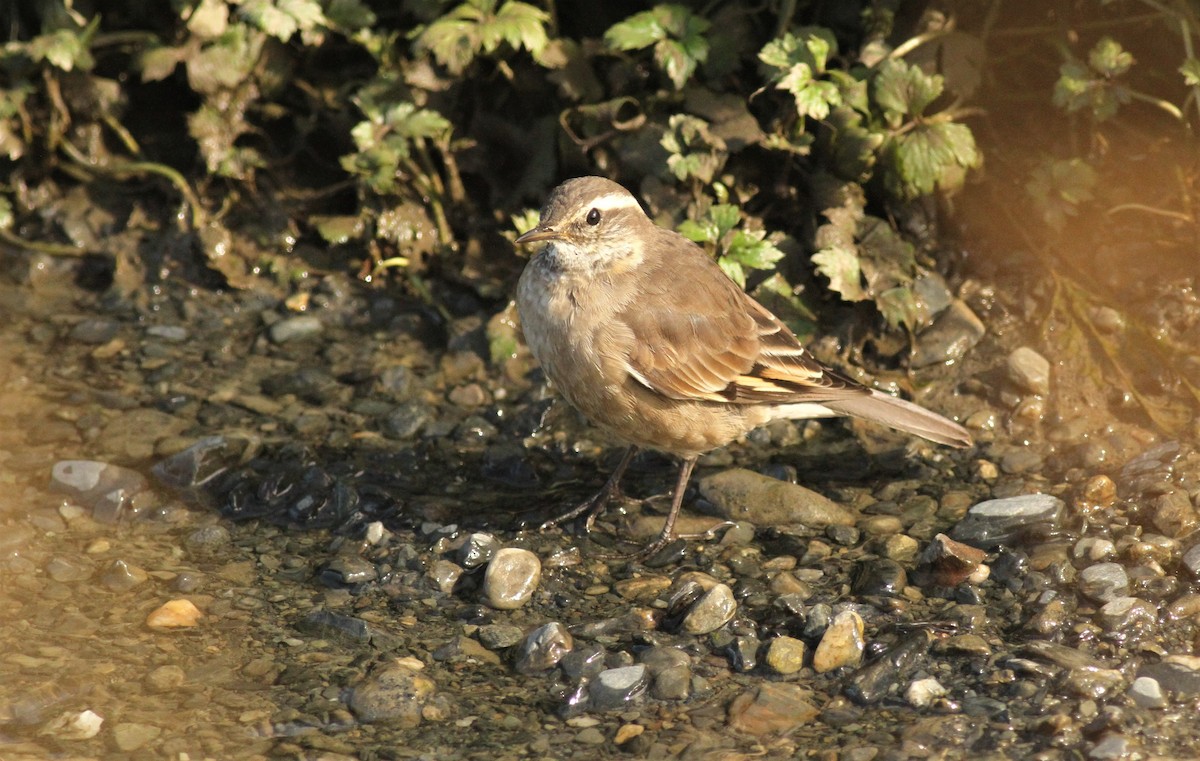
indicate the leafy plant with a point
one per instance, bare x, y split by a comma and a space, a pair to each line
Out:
736, 247
694, 152
676, 34
1059, 188
478, 27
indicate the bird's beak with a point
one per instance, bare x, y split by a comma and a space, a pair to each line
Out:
538, 234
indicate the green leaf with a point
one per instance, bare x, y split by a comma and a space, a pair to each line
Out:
640, 30
1072, 88
66, 49
734, 271
1058, 188
725, 216
521, 25
904, 90
919, 160
1191, 72
694, 150
899, 307
1109, 59
700, 232
350, 15
750, 250
842, 268
340, 229
676, 34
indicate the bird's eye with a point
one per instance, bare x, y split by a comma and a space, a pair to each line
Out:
593, 217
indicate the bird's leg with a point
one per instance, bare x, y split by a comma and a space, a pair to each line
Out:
595, 505
668, 529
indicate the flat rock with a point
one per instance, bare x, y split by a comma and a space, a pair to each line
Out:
743, 495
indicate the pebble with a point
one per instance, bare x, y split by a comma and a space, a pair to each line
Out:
1191, 559
771, 708
104, 488
785, 655
738, 494
711, 611
405, 421
951, 563
207, 539
1175, 673
842, 644
395, 692
1103, 582
543, 648
1127, 616
1007, 520
500, 636
878, 576
922, 692
511, 578
175, 614
1093, 549
94, 331
1113, 745
129, 736
445, 575
476, 550
73, 725
295, 328
618, 687
583, 662
463, 649
1174, 515
876, 680
950, 337
1147, 693
69, 569
166, 678
1028, 371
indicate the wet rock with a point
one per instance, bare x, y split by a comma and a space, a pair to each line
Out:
500, 636
1094, 683
671, 670
406, 420
1191, 559
73, 725
295, 328
950, 337
445, 575
1175, 673
463, 649
1147, 693
207, 540
785, 655
1174, 515
922, 692
348, 570
198, 463
1009, 519
173, 333
1127, 616
950, 563
166, 678
1103, 582
842, 644
901, 548
619, 687
711, 611
1093, 549
771, 708
743, 495
175, 614
67, 569
106, 489
511, 578
1028, 371
94, 331
1113, 745
583, 663
120, 576
878, 577
884, 675
642, 588
335, 626
476, 550
396, 693
543, 648
743, 652
130, 736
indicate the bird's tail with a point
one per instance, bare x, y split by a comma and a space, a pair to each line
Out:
888, 410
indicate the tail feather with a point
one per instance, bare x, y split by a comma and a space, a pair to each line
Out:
888, 410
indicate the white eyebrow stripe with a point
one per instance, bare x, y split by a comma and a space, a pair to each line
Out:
613, 201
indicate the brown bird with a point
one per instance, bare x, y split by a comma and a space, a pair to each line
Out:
645, 334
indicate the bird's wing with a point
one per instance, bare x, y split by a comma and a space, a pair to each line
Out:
697, 336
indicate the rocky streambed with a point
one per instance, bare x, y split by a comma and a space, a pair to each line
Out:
234, 531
